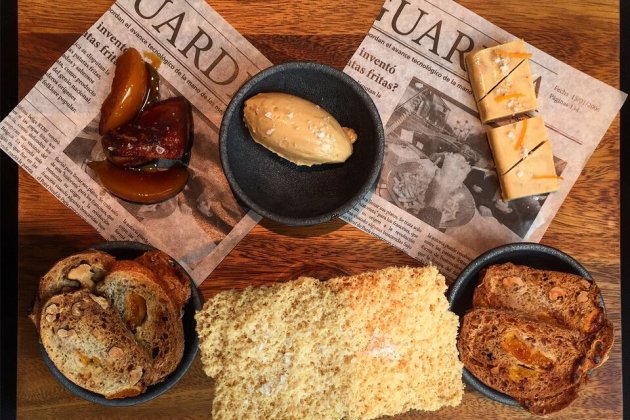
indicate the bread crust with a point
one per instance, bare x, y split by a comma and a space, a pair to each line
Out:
168, 274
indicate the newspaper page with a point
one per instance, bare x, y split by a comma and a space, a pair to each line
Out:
412, 64
53, 132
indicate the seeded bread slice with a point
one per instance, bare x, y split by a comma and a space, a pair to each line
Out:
90, 345
541, 365
79, 271
149, 313
168, 274
567, 299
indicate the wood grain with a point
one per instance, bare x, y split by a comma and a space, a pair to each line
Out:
583, 34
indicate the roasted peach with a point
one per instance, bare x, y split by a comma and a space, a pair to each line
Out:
141, 186
128, 93
162, 131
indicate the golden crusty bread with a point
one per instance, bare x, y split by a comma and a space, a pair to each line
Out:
90, 345
540, 365
149, 313
358, 347
78, 271
168, 274
567, 299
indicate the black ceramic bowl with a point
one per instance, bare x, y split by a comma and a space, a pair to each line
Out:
296, 195
530, 254
130, 250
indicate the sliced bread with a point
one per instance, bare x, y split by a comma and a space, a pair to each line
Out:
79, 271
357, 347
87, 341
149, 313
541, 365
567, 299
168, 274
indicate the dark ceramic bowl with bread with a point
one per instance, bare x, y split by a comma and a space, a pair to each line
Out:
123, 251
277, 188
472, 293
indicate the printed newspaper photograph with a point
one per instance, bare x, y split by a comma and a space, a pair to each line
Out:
436, 147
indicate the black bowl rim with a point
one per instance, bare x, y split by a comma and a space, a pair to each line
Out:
374, 170
152, 391
482, 261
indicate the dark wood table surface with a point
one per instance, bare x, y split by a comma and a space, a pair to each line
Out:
584, 34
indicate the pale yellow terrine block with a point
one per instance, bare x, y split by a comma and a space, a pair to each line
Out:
512, 142
489, 66
532, 176
513, 96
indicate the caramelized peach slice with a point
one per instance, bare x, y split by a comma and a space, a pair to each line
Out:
524, 353
135, 310
129, 89
144, 187
161, 131
518, 373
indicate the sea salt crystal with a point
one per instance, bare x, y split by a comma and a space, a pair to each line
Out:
268, 114
160, 149
524, 152
388, 351
265, 389
270, 131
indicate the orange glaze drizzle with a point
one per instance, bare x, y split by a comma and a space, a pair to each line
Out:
508, 96
521, 137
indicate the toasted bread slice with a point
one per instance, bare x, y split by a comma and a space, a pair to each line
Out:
552, 404
566, 299
79, 271
148, 312
169, 275
531, 361
90, 345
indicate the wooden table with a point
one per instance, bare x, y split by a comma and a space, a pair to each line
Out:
582, 34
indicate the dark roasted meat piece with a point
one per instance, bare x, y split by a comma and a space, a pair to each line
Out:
162, 131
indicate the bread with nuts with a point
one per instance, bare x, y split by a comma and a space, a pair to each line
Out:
90, 345
79, 271
541, 365
566, 299
149, 313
